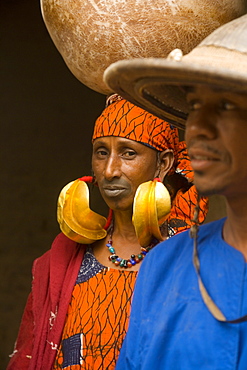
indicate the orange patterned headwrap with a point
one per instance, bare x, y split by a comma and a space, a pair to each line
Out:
123, 119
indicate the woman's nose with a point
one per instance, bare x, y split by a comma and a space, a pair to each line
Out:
112, 167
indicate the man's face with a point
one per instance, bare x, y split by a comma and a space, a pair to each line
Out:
120, 166
216, 137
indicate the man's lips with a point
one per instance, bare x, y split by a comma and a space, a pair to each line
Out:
201, 159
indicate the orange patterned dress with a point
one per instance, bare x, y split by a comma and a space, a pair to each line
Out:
97, 317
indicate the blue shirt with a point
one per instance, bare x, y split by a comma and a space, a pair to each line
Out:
170, 326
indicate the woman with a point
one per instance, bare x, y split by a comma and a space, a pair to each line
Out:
77, 313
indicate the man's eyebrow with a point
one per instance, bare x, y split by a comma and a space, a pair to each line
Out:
188, 89
191, 89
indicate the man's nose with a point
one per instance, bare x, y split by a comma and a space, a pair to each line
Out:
112, 167
201, 124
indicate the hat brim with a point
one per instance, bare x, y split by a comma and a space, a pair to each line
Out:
157, 85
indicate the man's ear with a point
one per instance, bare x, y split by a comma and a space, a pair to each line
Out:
165, 162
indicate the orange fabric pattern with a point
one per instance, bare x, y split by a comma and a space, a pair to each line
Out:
123, 119
183, 205
97, 321
182, 211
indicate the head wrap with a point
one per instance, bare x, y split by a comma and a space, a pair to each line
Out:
123, 119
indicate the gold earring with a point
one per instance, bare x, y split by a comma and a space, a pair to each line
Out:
77, 221
151, 207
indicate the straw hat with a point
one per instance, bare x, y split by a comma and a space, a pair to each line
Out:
92, 34
156, 84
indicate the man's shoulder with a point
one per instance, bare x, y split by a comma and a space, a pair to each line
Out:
168, 251
205, 230
211, 230
183, 240
176, 253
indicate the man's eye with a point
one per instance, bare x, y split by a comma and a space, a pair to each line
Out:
227, 105
194, 105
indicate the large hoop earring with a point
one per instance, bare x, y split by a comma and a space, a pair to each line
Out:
77, 221
151, 207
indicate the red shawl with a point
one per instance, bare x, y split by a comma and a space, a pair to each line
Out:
54, 274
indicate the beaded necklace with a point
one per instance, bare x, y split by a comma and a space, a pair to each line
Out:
134, 258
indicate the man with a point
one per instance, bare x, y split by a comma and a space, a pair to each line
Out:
77, 313
190, 304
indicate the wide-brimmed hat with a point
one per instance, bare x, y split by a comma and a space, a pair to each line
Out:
157, 84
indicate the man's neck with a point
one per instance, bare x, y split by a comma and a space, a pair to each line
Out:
235, 228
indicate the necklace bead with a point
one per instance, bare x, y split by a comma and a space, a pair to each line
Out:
134, 258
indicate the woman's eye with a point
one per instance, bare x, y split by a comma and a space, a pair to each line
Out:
101, 152
129, 153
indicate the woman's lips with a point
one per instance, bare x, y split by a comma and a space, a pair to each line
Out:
113, 191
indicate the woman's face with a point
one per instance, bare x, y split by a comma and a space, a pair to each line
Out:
120, 165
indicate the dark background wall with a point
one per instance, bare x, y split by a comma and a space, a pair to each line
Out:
47, 118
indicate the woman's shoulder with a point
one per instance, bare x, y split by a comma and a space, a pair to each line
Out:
62, 250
